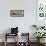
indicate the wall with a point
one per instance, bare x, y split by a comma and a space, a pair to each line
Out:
23, 23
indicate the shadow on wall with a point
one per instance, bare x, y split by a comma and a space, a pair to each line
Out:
32, 30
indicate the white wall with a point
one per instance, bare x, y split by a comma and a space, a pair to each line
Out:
23, 23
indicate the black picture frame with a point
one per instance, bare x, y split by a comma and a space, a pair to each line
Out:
17, 13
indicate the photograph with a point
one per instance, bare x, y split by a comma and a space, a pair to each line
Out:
17, 13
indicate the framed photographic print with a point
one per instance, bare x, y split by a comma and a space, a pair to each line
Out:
17, 13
